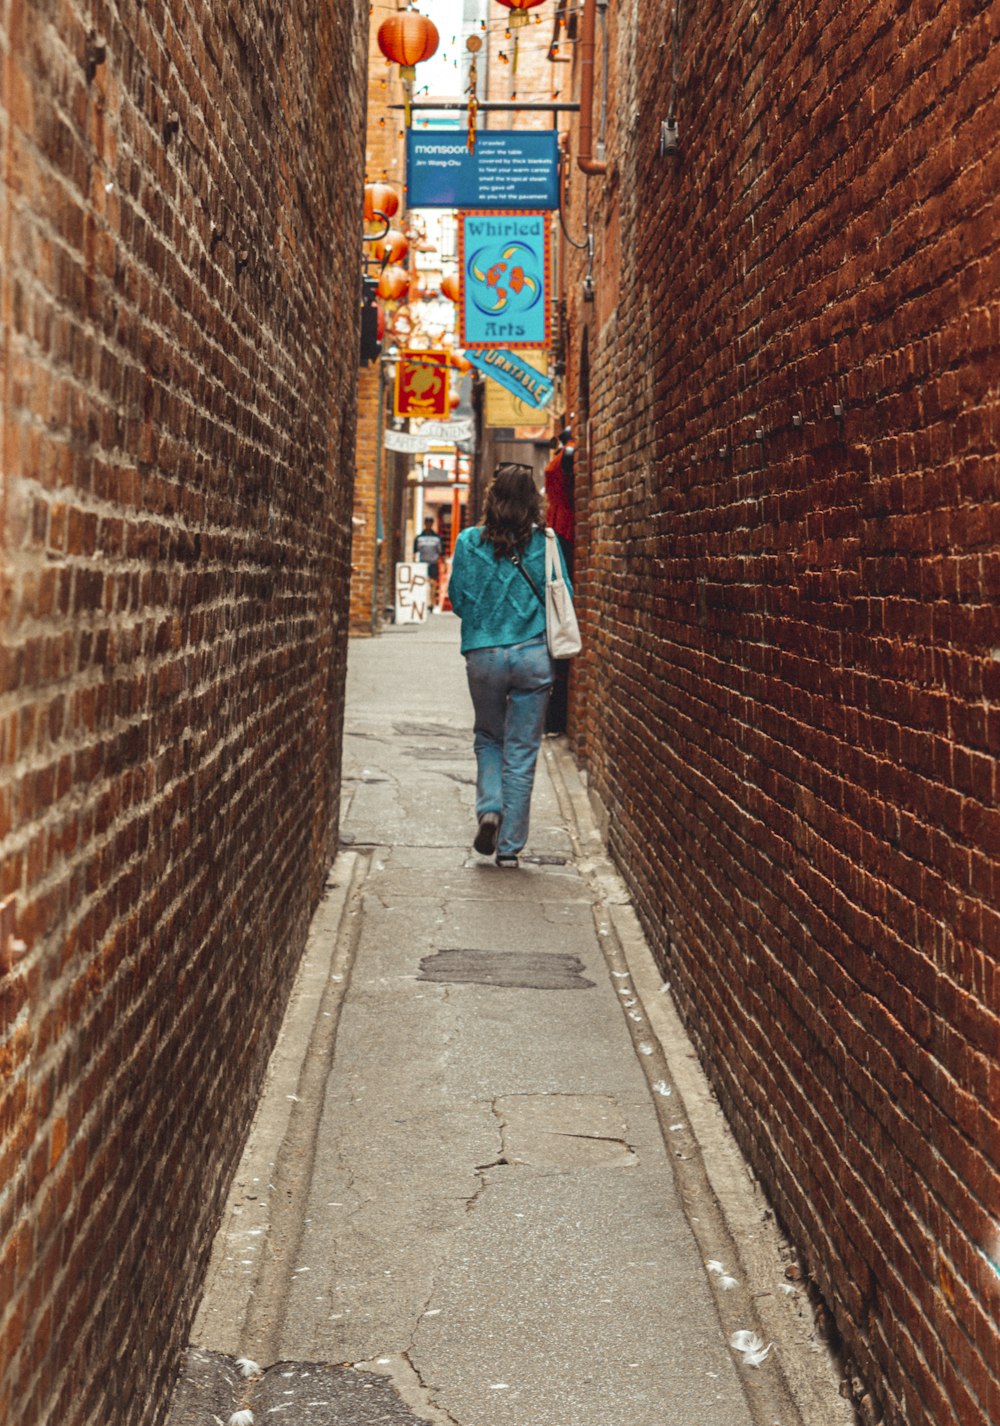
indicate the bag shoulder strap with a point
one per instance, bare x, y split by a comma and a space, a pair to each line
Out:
516, 561
553, 564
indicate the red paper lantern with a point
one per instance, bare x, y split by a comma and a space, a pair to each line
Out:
394, 283
450, 287
380, 199
519, 11
393, 247
453, 400
406, 39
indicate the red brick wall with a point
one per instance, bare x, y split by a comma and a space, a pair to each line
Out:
793, 684
371, 476
180, 244
385, 162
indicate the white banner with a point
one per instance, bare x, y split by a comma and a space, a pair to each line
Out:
403, 441
416, 442
447, 430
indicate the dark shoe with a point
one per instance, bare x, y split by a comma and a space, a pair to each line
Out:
509, 861
486, 837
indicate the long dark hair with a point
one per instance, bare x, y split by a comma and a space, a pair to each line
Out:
512, 509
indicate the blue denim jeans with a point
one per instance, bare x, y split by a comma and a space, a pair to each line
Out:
510, 690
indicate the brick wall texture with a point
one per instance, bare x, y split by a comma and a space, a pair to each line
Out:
180, 241
369, 493
790, 705
385, 162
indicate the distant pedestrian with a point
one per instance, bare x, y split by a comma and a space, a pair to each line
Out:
427, 549
508, 664
560, 516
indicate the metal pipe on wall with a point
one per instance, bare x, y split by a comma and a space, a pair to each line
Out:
584, 157
378, 491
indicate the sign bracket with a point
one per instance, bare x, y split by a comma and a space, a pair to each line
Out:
496, 106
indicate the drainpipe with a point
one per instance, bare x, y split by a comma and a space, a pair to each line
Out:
379, 436
584, 155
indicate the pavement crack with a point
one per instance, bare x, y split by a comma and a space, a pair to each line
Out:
410, 1386
420, 1317
443, 1415
472, 1202
593, 1138
482, 1169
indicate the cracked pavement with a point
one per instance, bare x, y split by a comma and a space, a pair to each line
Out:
481, 1209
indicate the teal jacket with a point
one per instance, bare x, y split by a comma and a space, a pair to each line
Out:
495, 602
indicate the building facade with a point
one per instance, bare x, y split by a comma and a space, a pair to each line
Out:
182, 221
782, 354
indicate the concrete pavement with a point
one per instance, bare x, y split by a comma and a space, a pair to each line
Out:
486, 1185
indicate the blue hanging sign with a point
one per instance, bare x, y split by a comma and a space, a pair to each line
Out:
514, 375
508, 168
505, 261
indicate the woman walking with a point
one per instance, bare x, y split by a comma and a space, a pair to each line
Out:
508, 664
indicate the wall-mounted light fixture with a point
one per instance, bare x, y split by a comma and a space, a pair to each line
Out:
669, 137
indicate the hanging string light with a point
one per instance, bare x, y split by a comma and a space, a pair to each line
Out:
519, 17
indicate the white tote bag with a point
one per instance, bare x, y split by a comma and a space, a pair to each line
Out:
562, 632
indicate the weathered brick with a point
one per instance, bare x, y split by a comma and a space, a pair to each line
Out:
178, 474
786, 701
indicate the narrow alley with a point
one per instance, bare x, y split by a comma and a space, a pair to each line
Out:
309, 1112
474, 1175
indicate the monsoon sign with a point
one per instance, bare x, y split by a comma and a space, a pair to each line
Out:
505, 260
507, 168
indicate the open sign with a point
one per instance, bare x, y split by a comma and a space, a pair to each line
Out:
412, 593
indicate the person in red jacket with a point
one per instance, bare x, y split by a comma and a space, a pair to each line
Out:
559, 488
559, 516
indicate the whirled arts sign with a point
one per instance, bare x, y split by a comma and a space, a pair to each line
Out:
505, 261
422, 384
